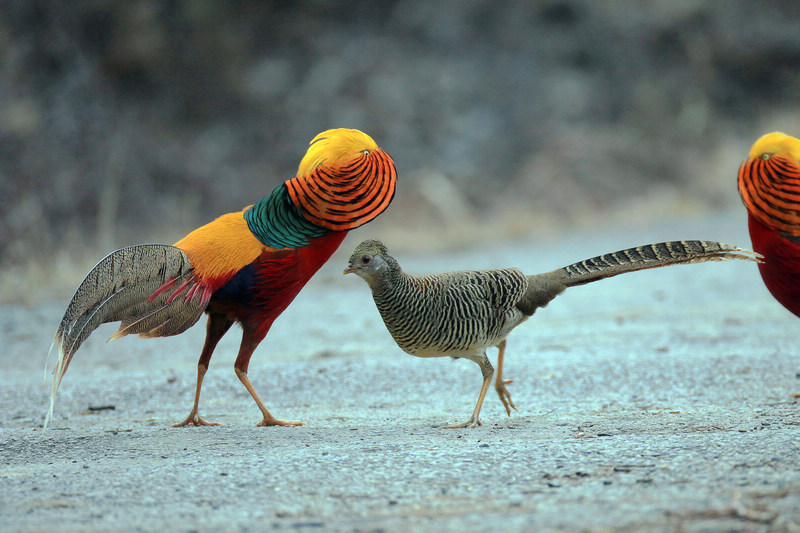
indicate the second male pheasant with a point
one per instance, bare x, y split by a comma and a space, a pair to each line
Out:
461, 314
769, 183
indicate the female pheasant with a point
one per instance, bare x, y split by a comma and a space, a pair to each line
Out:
769, 184
461, 314
243, 267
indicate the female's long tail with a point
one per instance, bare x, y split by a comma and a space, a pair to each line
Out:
542, 288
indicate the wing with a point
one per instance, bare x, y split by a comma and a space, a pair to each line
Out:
477, 308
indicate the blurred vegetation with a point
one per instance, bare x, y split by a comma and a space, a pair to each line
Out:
132, 121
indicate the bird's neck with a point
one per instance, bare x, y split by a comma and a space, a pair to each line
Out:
392, 291
395, 289
278, 223
386, 280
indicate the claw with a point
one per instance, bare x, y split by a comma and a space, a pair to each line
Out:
471, 423
194, 420
505, 396
275, 422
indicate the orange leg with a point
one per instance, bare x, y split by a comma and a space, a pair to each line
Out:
499, 384
216, 327
474, 420
194, 418
250, 339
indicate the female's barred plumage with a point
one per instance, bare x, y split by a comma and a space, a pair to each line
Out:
451, 313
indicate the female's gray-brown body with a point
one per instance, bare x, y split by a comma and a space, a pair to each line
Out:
461, 314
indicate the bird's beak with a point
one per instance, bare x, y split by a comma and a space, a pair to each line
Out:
350, 268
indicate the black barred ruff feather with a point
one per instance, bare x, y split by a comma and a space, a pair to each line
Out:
770, 189
344, 181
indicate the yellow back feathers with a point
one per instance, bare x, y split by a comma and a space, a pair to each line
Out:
222, 247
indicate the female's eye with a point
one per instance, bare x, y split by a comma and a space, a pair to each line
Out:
365, 260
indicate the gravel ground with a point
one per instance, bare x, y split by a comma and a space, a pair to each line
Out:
657, 401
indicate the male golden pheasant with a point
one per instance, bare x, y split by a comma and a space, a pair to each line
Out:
461, 314
769, 183
243, 267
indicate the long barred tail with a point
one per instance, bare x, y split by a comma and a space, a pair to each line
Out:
651, 256
141, 286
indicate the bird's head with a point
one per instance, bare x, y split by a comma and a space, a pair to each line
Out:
368, 260
769, 180
344, 181
333, 147
776, 144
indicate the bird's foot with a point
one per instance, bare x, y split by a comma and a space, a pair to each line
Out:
471, 423
275, 422
194, 420
505, 396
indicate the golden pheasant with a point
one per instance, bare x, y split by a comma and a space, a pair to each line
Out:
243, 267
769, 184
461, 314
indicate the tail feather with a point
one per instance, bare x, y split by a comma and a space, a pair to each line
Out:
169, 319
120, 288
652, 256
542, 288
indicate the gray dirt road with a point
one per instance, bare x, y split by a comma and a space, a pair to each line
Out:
657, 401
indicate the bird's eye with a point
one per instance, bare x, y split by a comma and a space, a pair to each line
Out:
766, 157
365, 152
365, 259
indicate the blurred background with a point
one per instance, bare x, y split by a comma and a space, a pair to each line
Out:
125, 122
